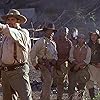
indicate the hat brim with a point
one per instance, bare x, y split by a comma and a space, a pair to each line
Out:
22, 18
54, 30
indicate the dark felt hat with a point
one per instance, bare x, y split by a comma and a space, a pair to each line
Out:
49, 26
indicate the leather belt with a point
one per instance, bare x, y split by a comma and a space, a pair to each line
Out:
11, 67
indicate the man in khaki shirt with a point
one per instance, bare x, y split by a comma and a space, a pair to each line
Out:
14, 60
43, 57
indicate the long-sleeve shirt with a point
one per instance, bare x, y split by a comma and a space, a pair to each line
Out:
43, 48
80, 55
23, 44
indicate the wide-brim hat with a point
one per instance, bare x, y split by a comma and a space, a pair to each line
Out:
49, 26
15, 13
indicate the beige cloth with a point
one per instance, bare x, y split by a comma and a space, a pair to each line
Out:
16, 80
94, 76
44, 48
46, 83
38, 50
80, 54
21, 36
58, 79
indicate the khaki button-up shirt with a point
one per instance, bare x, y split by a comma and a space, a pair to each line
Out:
39, 50
21, 37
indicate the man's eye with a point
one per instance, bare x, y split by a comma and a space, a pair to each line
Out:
10, 19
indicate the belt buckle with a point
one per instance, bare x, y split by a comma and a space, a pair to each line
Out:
5, 69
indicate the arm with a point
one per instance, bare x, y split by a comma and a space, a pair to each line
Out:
71, 58
35, 52
88, 56
19, 36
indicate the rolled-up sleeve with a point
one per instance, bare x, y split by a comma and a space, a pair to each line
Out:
88, 56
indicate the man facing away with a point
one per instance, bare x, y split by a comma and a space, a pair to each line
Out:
14, 61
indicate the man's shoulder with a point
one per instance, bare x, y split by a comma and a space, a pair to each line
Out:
24, 30
40, 41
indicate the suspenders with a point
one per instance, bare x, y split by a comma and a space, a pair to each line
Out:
15, 47
15, 52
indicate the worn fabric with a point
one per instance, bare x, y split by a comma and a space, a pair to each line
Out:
73, 83
16, 80
61, 69
95, 59
39, 49
94, 73
46, 83
63, 54
80, 55
45, 49
21, 36
58, 79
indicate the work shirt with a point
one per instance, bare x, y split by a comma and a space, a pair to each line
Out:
43, 48
23, 44
80, 54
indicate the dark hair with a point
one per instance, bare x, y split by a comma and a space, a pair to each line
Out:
90, 41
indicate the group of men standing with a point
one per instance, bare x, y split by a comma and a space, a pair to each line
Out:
54, 56
69, 57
